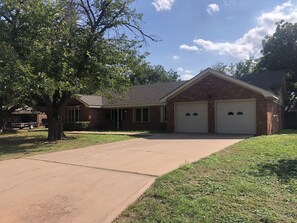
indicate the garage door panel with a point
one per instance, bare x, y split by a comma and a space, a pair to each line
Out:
236, 117
191, 117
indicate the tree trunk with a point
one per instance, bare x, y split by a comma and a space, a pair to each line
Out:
4, 114
54, 107
2, 124
55, 127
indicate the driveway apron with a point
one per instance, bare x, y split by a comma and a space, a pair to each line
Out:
96, 183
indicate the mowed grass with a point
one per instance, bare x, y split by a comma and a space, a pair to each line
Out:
28, 143
252, 181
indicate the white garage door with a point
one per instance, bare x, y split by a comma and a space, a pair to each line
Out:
236, 117
191, 117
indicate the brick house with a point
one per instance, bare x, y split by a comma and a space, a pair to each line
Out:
211, 102
25, 115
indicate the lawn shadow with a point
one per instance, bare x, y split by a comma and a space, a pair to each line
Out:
25, 144
285, 169
288, 131
20, 144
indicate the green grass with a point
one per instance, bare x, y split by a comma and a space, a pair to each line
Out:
252, 181
28, 143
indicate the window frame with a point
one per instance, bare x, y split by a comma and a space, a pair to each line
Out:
142, 109
73, 114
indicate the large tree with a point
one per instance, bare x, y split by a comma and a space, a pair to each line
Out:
239, 69
10, 88
145, 73
280, 53
65, 47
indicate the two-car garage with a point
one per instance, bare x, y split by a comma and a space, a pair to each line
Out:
232, 116
212, 102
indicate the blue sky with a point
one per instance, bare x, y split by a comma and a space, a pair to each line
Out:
196, 34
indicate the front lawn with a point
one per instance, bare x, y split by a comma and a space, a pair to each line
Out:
252, 181
28, 143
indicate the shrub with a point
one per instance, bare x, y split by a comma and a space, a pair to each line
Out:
77, 126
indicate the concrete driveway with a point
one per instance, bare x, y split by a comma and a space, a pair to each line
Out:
95, 184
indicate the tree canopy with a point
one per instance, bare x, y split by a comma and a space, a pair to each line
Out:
10, 85
64, 47
145, 73
239, 69
280, 52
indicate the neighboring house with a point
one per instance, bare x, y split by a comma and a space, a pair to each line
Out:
26, 117
211, 102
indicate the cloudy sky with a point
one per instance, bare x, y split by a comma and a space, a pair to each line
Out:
196, 34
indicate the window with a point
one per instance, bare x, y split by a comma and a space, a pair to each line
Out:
141, 115
239, 113
138, 114
230, 113
145, 115
72, 114
163, 114
114, 114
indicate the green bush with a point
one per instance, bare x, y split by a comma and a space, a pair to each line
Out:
77, 126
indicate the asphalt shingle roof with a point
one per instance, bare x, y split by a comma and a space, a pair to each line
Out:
91, 100
270, 81
146, 94
151, 94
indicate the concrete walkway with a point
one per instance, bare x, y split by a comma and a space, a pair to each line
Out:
95, 184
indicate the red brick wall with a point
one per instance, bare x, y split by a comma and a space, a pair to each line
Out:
128, 124
212, 88
96, 116
100, 119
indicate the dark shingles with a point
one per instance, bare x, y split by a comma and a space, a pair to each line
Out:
146, 94
151, 94
91, 100
270, 81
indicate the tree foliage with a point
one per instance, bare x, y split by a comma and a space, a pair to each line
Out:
145, 73
64, 47
10, 90
239, 69
280, 52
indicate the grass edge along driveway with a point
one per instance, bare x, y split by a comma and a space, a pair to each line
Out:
28, 143
252, 181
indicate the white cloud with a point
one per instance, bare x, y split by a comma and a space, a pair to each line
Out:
186, 47
237, 50
250, 44
185, 74
175, 57
212, 8
162, 5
